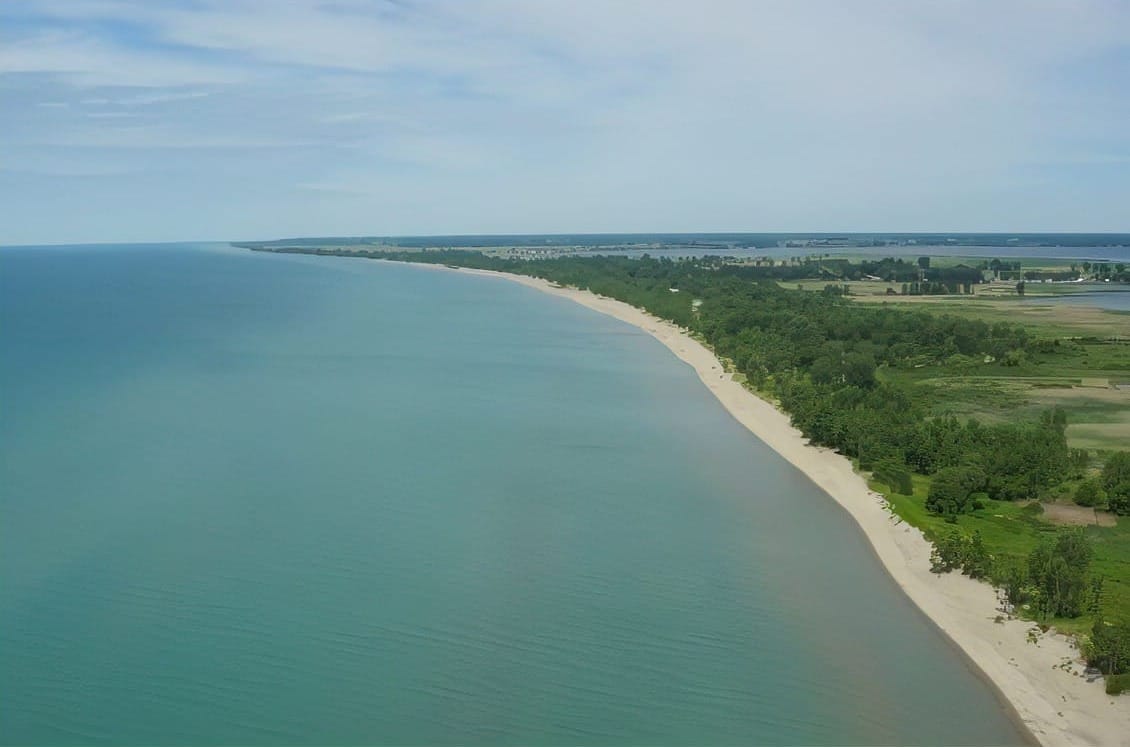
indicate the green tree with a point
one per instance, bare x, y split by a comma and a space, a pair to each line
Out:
947, 553
1116, 471
1116, 481
951, 487
1058, 570
1090, 493
1108, 647
975, 563
1014, 581
859, 370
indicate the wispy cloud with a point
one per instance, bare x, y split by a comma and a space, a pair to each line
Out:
375, 116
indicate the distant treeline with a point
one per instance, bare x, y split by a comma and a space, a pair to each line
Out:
746, 240
915, 277
918, 277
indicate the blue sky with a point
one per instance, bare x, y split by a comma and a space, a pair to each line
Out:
235, 119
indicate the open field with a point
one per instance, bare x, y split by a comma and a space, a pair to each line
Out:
1015, 529
1098, 412
1081, 374
1053, 320
997, 302
1085, 372
1068, 514
1098, 418
970, 260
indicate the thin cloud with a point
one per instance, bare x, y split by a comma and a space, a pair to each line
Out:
371, 116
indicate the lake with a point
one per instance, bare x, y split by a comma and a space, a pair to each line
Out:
273, 499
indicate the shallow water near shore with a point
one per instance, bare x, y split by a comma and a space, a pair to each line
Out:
272, 499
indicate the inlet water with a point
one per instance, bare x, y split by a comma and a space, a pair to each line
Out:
263, 499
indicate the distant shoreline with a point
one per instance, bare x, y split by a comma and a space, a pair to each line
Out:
1049, 703
1115, 247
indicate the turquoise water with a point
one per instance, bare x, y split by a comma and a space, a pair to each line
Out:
261, 499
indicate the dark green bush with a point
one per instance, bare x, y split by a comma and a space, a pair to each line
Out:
1090, 493
1119, 501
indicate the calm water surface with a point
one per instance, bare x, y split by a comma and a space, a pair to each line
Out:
1115, 298
256, 499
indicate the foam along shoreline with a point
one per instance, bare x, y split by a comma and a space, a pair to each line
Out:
1041, 680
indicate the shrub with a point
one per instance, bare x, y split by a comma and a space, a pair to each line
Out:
1012, 576
1090, 493
1116, 471
1116, 480
975, 560
947, 553
1058, 570
955, 550
1116, 684
950, 489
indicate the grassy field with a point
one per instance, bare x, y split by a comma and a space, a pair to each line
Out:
1080, 375
1049, 319
1028, 263
1014, 529
998, 302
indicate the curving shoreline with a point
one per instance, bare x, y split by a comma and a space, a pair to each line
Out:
1039, 681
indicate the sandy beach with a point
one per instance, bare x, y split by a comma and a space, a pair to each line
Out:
1041, 680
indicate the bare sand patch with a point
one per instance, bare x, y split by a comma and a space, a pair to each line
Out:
1072, 515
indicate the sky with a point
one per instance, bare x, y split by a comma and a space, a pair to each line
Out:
154, 120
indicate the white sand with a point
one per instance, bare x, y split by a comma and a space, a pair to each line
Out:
1042, 681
